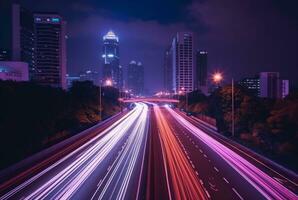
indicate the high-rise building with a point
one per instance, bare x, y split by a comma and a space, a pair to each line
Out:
23, 36
251, 84
50, 49
111, 67
183, 62
168, 70
201, 71
270, 85
6, 26
135, 77
285, 88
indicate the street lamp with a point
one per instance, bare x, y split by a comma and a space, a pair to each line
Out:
217, 77
108, 82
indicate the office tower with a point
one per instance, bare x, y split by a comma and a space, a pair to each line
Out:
89, 75
251, 84
168, 71
111, 69
270, 85
201, 71
6, 27
14, 70
183, 62
50, 49
285, 88
22, 35
135, 78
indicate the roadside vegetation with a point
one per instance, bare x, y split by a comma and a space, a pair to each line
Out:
267, 126
33, 117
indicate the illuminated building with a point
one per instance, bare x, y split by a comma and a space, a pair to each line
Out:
14, 70
251, 84
110, 56
135, 77
270, 85
183, 62
50, 48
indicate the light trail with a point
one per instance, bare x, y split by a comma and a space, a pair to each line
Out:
67, 181
266, 185
183, 179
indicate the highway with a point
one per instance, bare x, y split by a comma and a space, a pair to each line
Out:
109, 165
151, 152
223, 173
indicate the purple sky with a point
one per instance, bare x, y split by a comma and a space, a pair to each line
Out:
242, 37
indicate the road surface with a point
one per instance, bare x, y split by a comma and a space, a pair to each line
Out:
107, 166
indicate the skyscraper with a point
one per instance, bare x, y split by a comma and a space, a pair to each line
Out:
270, 85
168, 70
201, 71
6, 27
135, 80
285, 88
183, 62
50, 49
251, 84
23, 36
111, 68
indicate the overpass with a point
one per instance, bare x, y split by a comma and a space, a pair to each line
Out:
149, 99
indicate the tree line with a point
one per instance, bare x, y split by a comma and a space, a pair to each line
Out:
33, 117
269, 126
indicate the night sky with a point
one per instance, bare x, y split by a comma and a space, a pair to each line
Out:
242, 37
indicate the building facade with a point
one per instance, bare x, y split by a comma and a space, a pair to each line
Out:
14, 70
270, 85
23, 36
201, 71
135, 78
183, 62
50, 50
110, 55
285, 88
168, 70
251, 84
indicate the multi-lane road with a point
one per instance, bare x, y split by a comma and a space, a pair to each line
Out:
151, 152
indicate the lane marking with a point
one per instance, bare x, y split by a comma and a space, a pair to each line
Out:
225, 180
216, 169
240, 197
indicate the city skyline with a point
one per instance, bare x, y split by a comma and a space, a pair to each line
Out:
87, 23
130, 99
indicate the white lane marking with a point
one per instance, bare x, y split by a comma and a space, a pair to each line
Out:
240, 197
205, 156
201, 150
197, 173
207, 193
202, 183
216, 169
225, 180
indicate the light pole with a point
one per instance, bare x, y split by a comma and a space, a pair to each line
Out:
233, 109
217, 78
100, 108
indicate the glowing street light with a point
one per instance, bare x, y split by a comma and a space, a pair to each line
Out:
217, 77
108, 82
